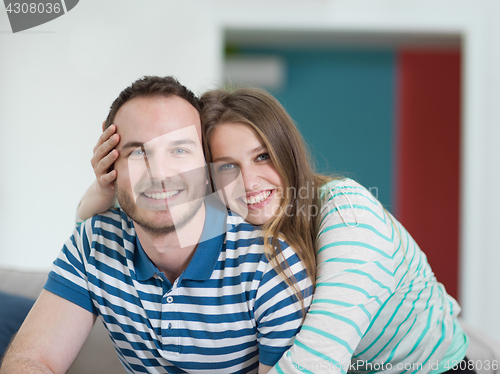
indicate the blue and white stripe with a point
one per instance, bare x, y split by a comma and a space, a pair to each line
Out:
228, 310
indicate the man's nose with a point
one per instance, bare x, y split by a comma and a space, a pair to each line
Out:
159, 167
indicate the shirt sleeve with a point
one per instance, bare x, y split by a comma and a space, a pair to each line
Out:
78, 220
68, 276
355, 276
278, 312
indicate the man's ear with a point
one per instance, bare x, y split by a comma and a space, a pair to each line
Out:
103, 126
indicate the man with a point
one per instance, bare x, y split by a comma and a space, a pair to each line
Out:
176, 291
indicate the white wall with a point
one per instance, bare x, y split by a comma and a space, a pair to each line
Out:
58, 80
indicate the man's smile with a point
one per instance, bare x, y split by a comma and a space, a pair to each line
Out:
165, 195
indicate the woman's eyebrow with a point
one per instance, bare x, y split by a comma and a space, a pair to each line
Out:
223, 158
251, 152
258, 149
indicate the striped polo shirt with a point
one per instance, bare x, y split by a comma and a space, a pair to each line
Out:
377, 306
227, 311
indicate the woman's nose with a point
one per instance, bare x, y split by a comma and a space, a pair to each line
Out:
250, 178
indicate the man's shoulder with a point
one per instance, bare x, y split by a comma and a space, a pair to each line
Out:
244, 235
114, 221
110, 234
113, 214
237, 226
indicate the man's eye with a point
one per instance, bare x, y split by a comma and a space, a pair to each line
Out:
180, 151
139, 152
263, 157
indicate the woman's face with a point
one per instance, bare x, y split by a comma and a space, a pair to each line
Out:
244, 174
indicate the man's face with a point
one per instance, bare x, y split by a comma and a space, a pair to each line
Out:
161, 168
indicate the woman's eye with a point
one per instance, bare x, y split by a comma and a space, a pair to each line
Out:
263, 157
226, 167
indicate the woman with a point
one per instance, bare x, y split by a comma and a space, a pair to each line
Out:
377, 305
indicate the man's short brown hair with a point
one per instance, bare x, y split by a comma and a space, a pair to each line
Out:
152, 86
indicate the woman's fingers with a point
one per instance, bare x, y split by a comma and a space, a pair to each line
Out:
105, 147
103, 158
106, 134
108, 179
107, 161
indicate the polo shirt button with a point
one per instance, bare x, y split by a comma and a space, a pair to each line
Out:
170, 299
169, 326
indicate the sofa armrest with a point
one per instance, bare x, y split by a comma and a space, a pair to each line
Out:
23, 283
483, 350
97, 354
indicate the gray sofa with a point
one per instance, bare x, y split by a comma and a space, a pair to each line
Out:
98, 355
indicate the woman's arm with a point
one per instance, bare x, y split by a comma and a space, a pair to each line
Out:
101, 194
264, 369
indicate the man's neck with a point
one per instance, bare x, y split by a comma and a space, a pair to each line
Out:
171, 253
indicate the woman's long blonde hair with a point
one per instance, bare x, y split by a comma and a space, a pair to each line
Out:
296, 220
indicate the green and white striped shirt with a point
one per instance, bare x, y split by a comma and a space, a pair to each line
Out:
377, 306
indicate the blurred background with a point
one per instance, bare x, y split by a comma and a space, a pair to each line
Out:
400, 96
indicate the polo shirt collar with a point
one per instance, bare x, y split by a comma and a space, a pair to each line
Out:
144, 267
205, 258
207, 252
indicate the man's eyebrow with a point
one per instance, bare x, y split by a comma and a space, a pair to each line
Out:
132, 145
175, 143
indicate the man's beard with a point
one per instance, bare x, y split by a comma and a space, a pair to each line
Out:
161, 228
